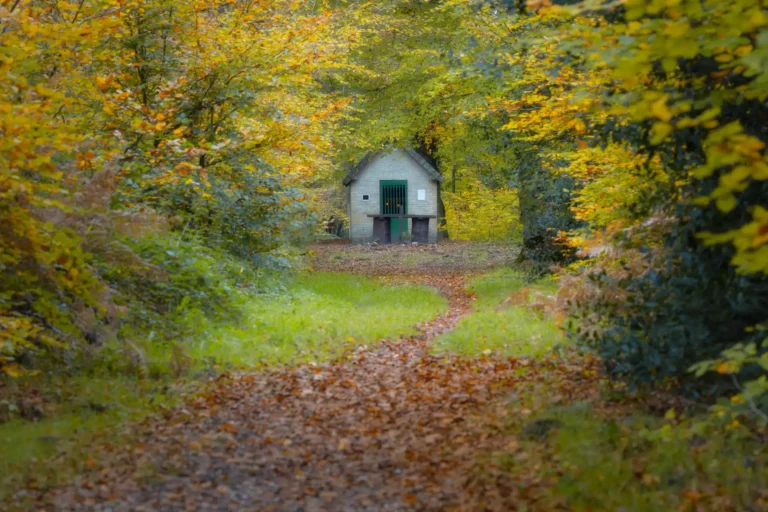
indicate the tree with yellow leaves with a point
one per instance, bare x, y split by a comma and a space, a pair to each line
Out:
120, 119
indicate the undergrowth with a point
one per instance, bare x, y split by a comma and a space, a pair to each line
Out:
510, 317
61, 414
638, 462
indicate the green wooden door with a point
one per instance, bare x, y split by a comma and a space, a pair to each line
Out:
394, 195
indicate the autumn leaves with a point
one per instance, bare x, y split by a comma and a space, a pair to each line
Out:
192, 111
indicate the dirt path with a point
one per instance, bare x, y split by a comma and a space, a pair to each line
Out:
391, 427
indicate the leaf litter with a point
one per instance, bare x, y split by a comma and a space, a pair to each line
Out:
389, 426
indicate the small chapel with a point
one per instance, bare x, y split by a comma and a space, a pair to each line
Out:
393, 196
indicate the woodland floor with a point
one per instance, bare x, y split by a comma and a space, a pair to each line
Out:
390, 426
413, 259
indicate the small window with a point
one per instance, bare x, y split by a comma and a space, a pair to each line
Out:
366, 197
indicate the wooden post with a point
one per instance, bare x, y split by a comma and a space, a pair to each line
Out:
401, 224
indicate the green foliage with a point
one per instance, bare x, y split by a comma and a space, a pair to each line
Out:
545, 201
164, 291
248, 210
127, 119
750, 363
439, 82
668, 319
657, 120
512, 317
642, 463
316, 317
624, 128
180, 273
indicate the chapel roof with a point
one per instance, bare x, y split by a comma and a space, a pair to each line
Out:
355, 171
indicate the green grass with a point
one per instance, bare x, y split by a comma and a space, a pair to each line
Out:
318, 317
311, 317
75, 410
645, 463
507, 330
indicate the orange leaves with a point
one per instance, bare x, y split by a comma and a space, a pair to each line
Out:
726, 368
105, 83
410, 499
228, 427
85, 160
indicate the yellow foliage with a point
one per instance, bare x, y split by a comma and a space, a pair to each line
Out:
483, 214
627, 72
98, 83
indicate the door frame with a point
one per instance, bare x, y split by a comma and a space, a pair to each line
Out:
394, 223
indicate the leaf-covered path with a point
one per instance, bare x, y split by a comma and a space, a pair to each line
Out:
389, 427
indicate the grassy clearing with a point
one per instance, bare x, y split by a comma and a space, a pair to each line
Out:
311, 317
509, 329
318, 316
641, 463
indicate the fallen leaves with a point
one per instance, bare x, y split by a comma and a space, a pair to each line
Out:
413, 263
387, 424
228, 427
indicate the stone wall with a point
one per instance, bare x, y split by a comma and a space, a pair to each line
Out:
394, 165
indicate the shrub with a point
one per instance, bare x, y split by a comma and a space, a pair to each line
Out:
185, 275
651, 314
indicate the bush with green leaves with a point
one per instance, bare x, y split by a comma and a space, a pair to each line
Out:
689, 306
700, 292
252, 212
179, 273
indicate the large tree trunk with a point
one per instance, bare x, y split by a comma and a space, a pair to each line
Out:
545, 211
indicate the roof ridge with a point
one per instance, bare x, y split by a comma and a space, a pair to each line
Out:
363, 163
